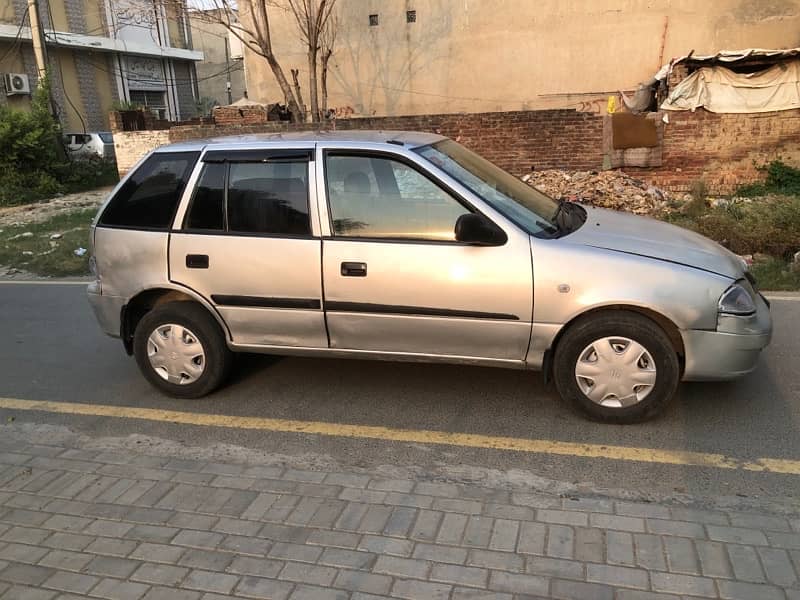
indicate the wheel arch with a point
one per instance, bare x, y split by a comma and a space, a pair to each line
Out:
147, 299
666, 324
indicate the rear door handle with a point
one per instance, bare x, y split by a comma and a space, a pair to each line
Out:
197, 261
354, 269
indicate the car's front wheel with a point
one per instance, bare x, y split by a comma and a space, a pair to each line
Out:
618, 367
181, 350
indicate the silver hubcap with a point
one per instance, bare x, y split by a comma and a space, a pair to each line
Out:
615, 372
176, 354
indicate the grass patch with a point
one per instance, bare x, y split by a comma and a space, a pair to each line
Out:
775, 274
763, 227
39, 254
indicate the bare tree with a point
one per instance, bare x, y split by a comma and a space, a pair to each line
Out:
253, 30
327, 42
313, 18
298, 92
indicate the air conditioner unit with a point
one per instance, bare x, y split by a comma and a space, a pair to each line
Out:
16, 83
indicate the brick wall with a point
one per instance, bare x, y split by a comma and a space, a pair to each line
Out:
130, 146
723, 150
516, 141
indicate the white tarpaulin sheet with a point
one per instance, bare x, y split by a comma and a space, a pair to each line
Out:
721, 90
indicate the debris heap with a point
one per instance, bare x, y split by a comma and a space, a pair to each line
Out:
606, 189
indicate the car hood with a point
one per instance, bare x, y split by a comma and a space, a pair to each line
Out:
643, 236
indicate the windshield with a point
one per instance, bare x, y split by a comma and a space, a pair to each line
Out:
106, 137
526, 206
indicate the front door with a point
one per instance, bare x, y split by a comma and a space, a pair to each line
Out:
397, 281
247, 245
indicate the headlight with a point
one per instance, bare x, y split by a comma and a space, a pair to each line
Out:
737, 301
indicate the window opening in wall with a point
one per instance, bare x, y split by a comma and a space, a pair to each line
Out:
373, 20
155, 101
411, 16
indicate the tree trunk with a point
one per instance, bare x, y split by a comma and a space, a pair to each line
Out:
313, 90
326, 56
293, 99
298, 93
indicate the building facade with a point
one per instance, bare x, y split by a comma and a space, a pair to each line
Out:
401, 57
100, 54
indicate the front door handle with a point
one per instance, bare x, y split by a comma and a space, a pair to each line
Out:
354, 269
197, 261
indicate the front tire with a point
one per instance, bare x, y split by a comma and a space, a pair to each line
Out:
616, 367
181, 350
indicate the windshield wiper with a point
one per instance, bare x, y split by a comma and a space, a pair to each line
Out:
568, 216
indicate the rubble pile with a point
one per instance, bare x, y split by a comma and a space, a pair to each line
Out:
606, 189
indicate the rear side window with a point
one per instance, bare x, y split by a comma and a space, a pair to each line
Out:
207, 211
268, 198
252, 198
149, 198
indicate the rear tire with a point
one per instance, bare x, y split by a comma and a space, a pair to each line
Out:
181, 350
616, 367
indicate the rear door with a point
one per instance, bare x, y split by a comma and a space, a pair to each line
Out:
245, 241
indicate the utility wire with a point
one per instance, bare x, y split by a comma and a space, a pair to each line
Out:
61, 73
17, 41
133, 76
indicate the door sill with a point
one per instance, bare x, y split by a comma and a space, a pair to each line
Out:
381, 355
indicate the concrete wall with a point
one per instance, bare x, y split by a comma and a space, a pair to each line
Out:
211, 72
475, 55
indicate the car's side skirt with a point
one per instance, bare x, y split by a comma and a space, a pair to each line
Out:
385, 356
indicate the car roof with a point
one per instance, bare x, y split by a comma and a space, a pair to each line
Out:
411, 139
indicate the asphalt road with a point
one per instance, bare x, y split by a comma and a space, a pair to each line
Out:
52, 349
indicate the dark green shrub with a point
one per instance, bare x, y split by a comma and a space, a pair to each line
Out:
33, 164
780, 179
86, 173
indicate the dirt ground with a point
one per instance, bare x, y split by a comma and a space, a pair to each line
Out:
42, 211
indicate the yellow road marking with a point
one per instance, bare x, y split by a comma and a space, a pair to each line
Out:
468, 440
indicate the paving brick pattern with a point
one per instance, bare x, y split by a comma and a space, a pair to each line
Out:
78, 523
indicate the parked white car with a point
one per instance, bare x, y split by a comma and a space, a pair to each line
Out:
99, 143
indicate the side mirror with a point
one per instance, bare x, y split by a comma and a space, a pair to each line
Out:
476, 229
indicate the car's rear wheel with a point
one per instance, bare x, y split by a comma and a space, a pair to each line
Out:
181, 350
618, 367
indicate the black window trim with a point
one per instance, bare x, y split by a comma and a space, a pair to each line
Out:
184, 229
412, 165
180, 192
258, 155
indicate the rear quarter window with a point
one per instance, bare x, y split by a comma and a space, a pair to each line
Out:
149, 198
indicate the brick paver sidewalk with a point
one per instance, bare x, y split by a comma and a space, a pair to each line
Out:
77, 523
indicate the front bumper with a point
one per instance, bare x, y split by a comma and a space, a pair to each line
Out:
732, 350
107, 309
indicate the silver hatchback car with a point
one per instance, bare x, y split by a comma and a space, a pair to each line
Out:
408, 246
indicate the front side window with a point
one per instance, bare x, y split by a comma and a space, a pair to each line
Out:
148, 198
258, 197
379, 197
